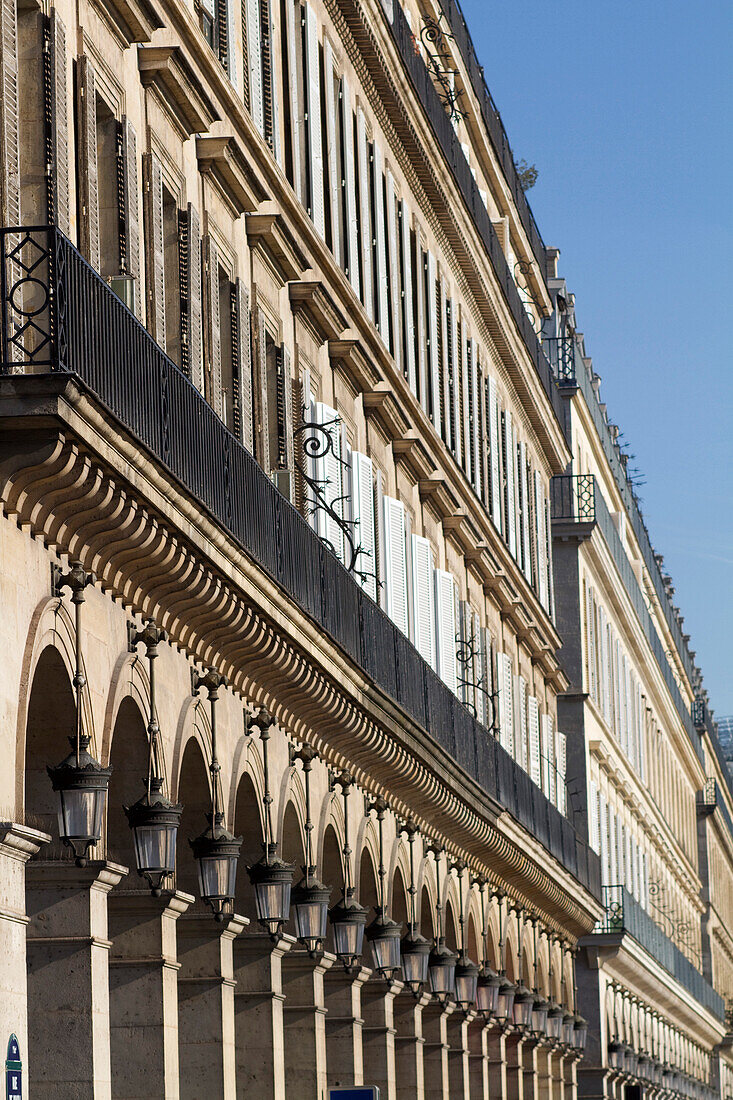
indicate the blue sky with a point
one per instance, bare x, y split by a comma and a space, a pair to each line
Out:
627, 111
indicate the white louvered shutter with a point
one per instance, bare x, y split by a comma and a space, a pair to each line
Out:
593, 838
193, 308
547, 735
362, 512
506, 702
87, 156
328, 471
561, 764
351, 227
242, 357
509, 483
463, 347
541, 540
445, 618
293, 12
524, 498
395, 555
495, 452
59, 111
334, 180
612, 847
380, 236
254, 53
533, 726
434, 356
213, 325
408, 321
131, 207
395, 281
604, 849
548, 551
313, 107
455, 375
520, 723
365, 218
475, 418
154, 247
423, 598
445, 361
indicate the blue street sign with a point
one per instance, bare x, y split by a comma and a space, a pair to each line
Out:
351, 1092
13, 1071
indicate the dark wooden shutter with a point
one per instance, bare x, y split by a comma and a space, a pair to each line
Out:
213, 325
154, 246
268, 107
190, 280
245, 58
86, 98
57, 124
285, 449
242, 359
130, 214
261, 394
9, 148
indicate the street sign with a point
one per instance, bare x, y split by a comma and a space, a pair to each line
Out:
354, 1092
13, 1071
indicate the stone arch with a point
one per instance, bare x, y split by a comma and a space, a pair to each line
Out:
129, 749
451, 929
427, 913
400, 898
292, 838
194, 792
246, 821
368, 891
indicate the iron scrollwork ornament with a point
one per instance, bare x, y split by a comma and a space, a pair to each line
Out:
433, 36
318, 442
469, 656
523, 278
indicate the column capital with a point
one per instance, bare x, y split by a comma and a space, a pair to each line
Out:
19, 841
98, 874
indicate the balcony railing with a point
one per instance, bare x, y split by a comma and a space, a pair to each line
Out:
573, 498
560, 352
623, 914
58, 315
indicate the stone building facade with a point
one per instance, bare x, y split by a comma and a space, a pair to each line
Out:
274, 385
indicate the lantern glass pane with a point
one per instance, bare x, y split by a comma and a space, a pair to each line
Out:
81, 813
386, 953
415, 967
310, 920
581, 1036
273, 901
466, 989
505, 1006
487, 997
217, 876
539, 1018
442, 978
155, 847
348, 938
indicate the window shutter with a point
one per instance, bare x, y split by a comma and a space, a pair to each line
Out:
313, 106
483, 439
547, 751
612, 848
242, 356
131, 207
593, 817
87, 154
9, 111
191, 297
561, 759
520, 723
395, 281
154, 251
454, 375
509, 498
541, 539
269, 83
423, 598
548, 552
261, 392
395, 557
445, 621
254, 52
365, 219
58, 112
349, 183
604, 849
465, 366
293, 36
408, 323
533, 723
381, 556
475, 419
379, 229
362, 511
430, 306
333, 151
328, 471
464, 659
524, 504
284, 396
445, 367
494, 446
422, 322
213, 324
506, 707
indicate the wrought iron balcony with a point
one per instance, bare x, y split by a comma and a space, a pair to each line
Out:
625, 916
60, 318
573, 498
560, 352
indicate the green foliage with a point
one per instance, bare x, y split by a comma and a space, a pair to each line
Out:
526, 174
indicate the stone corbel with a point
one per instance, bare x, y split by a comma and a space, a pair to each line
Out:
267, 230
167, 69
411, 451
310, 298
221, 159
348, 356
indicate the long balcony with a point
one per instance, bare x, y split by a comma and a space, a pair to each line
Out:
59, 318
625, 916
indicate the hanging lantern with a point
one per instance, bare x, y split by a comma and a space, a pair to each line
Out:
442, 970
505, 1001
466, 983
272, 879
540, 1009
554, 1021
310, 897
216, 850
81, 784
616, 1055
487, 991
154, 819
642, 1067
80, 781
415, 953
580, 1032
348, 920
384, 938
523, 1004
568, 1029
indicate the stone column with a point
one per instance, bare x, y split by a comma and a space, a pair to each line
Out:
545, 1059
206, 1005
344, 1022
378, 1035
68, 978
530, 1055
17, 844
258, 1001
496, 1044
409, 1043
304, 1016
143, 992
478, 1059
458, 1062
435, 1051
513, 1042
